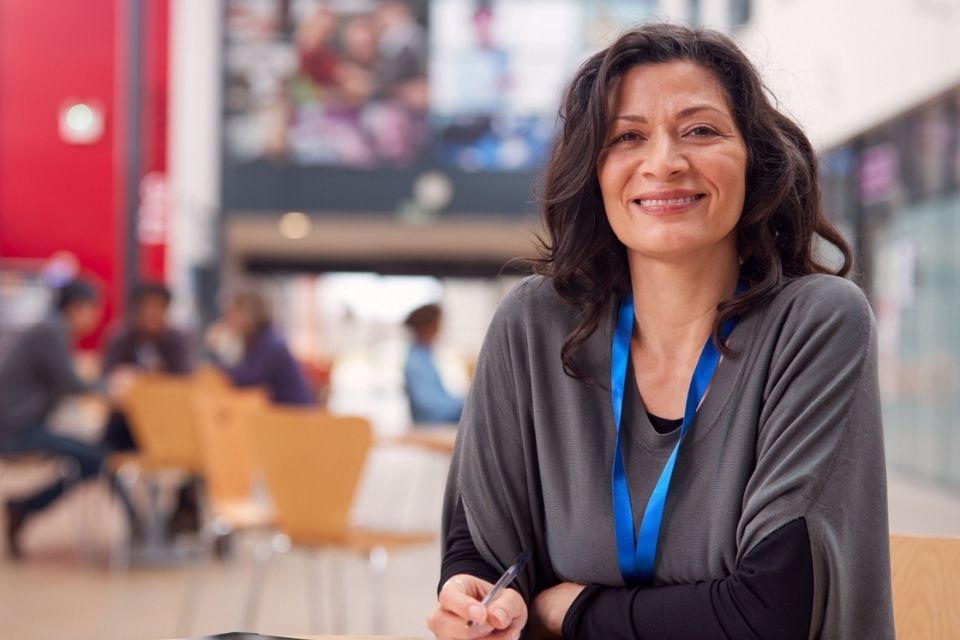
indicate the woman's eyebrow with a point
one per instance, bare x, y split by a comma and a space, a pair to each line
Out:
683, 113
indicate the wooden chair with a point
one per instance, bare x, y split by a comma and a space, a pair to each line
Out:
162, 418
160, 412
926, 587
228, 468
227, 458
312, 463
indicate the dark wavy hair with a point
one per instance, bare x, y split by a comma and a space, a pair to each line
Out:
781, 219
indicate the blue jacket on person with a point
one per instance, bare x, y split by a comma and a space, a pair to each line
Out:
430, 402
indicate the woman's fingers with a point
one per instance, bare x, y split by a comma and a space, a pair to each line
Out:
449, 626
459, 603
508, 609
461, 598
510, 633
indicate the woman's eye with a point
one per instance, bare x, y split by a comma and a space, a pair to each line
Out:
626, 136
702, 132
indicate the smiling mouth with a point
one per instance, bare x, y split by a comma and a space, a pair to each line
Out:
670, 202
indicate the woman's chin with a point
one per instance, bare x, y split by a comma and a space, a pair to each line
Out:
669, 250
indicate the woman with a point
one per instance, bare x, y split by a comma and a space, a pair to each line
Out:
682, 212
266, 361
430, 402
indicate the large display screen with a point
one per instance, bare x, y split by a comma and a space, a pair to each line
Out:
393, 88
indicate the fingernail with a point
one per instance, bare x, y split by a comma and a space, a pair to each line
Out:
502, 617
476, 612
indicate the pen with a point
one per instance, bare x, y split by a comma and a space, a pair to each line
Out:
508, 576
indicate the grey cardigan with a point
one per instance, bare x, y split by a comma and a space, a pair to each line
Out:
790, 428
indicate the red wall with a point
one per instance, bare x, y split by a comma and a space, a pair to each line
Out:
55, 195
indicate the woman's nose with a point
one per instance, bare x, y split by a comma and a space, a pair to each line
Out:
663, 158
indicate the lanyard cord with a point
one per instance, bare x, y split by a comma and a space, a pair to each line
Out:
636, 560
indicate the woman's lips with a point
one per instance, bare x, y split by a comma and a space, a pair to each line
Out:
668, 205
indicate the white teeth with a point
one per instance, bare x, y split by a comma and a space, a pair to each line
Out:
668, 201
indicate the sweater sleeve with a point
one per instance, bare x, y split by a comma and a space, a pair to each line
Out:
769, 595
819, 456
494, 475
460, 555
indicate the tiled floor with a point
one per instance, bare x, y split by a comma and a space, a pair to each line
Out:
55, 596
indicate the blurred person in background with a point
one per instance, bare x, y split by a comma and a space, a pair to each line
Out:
245, 345
35, 376
144, 343
430, 402
316, 47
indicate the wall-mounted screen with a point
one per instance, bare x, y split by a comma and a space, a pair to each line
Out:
390, 89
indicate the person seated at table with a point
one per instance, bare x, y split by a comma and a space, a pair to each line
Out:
252, 353
34, 377
145, 342
430, 402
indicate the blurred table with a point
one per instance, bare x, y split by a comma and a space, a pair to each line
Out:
81, 416
440, 438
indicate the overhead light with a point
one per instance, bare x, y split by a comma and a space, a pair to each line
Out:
295, 225
81, 122
433, 190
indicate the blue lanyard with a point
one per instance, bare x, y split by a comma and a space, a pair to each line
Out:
636, 562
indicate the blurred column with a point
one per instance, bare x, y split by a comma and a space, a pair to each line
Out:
194, 151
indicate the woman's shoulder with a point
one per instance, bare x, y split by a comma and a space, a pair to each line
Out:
532, 311
823, 290
531, 299
822, 300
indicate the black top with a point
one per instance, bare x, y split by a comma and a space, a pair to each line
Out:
664, 426
769, 595
168, 352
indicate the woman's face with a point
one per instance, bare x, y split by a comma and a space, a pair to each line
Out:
237, 318
673, 169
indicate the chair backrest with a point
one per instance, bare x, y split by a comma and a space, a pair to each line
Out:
160, 411
312, 462
210, 378
227, 460
926, 587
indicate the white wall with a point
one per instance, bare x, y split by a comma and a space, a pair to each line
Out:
842, 66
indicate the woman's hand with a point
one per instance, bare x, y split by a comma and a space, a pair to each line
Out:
459, 603
551, 606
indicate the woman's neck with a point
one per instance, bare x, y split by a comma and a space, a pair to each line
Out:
675, 303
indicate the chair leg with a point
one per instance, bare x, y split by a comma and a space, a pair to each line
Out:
377, 566
154, 533
337, 589
209, 534
277, 543
69, 471
313, 591
121, 554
